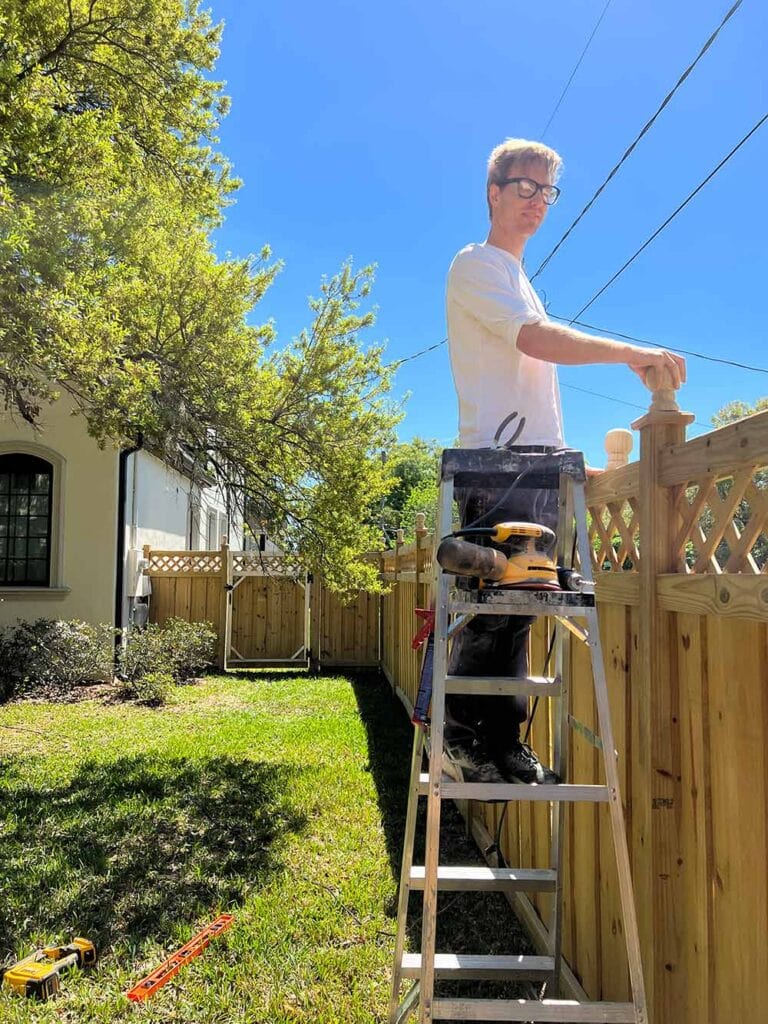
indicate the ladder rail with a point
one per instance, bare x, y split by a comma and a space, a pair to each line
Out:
562, 639
434, 797
618, 827
405, 869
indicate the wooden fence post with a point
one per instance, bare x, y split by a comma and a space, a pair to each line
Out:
396, 610
225, 606
655, 786
421, 550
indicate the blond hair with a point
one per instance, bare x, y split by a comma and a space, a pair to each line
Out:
517, 151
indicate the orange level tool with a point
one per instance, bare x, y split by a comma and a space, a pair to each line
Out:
173, 964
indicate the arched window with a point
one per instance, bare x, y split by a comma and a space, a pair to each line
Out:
26, 491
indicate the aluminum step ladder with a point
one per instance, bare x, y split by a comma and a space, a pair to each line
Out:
563, 470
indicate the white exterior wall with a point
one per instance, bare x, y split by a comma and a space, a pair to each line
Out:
165, 510
84, 519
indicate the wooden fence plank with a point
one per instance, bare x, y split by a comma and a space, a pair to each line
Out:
738, 728
696, 849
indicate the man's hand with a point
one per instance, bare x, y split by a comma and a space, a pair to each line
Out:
668, 363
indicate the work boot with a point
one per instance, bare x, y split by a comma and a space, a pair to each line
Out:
469, 761
520, 764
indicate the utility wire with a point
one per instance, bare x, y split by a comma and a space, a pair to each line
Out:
573, 73
621, 401
643, 131
422, 352
672, 216
644, 341
573, 387
615, 334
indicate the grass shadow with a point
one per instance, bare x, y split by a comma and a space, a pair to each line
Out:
129, 848
389, 736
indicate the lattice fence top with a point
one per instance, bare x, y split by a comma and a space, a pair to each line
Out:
724, 523
255, 563
188, 563
614, 535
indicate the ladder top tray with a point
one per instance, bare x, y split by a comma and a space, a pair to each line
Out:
495, 467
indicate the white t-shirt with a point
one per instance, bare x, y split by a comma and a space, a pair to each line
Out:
489, 299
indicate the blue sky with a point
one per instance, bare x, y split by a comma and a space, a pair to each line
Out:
363, 130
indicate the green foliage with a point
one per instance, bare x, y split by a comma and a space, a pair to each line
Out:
731, 413
738, 410
50, 658
191, 647
414, 467
110, 289
424, 497
171, 653
151, 689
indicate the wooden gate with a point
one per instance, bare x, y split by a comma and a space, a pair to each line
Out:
262, 610
268, 615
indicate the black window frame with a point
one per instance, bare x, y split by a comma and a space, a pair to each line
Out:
32, 465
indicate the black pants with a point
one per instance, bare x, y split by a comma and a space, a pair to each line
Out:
494, 645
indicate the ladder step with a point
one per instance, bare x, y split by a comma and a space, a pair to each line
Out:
482, 878
524, 602
563, 793
558, 1011
530, 686
473, 967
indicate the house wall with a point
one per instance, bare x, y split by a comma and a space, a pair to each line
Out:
84, 519
168, 512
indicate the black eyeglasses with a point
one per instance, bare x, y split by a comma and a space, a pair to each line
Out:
527, 189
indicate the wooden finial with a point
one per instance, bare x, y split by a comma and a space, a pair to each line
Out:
618, 445
664, 407
420, 527
660, 383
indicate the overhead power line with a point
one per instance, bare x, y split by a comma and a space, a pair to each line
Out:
573, 73
644, 341
672, 216
422, 352
646, 127
615, 334
621, 401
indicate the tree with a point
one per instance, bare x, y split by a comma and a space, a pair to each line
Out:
414, 467
738, 410
111, 291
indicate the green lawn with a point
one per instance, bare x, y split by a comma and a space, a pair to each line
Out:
274, 796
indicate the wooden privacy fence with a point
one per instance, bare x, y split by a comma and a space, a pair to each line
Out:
680, 551
264, 612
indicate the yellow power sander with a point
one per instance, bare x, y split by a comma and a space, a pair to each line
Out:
525, 560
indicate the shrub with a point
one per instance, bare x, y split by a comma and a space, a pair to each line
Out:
178, 649
151, 688
192, 647
51, 657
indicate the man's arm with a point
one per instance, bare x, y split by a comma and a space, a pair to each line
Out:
554, 343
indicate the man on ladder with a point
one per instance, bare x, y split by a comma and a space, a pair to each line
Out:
503, 352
